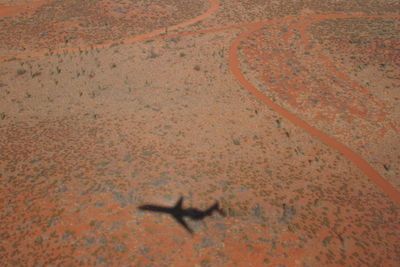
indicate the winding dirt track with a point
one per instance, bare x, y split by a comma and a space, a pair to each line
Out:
238, 73
363, 165
214, 6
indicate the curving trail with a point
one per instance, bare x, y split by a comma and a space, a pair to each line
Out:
214, 6
340, 234
363, 165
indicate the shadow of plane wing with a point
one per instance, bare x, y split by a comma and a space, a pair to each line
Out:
182, 222
155, 208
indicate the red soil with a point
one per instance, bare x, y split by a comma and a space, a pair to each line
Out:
286, 91
90, 132
9, 11
105, 43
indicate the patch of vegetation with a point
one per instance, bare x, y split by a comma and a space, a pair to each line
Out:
175, 39
21, 71
153, 54
387, 167
37, 73
205, 263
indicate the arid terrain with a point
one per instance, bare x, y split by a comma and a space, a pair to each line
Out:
286, 113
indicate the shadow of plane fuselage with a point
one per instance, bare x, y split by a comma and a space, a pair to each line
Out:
179, 213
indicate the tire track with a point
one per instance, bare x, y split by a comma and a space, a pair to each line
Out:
362, 164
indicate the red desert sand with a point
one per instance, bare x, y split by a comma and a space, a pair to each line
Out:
199, 133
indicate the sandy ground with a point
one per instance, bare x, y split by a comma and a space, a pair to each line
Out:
285, 112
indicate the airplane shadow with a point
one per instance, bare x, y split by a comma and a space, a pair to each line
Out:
179, 213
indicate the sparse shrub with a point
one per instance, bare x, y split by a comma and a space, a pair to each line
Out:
197, 67
153, 54
21, 71
175, 39
181, 54
37, 73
